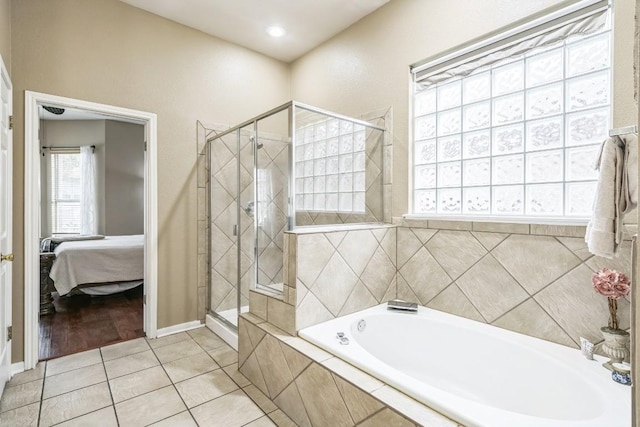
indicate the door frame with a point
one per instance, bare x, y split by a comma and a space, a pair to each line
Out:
32, 211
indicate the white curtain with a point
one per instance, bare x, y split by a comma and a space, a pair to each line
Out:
88, 199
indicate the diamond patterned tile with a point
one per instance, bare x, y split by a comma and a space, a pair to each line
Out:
453, 301
534, 261
360, 404
424, 275
273, 365
291, 403
359, 299
330, 409
577, 245
334, 284
314, 251
530, 319
456, 251
577, 308
357, 248
489, 240
486, 280
311, 311
621, 262
408, 245
378, 273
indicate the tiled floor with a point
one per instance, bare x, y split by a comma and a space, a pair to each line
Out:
186, 379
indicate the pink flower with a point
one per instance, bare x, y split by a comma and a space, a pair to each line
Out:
611, 283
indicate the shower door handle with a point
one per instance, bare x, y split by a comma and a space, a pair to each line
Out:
235, 229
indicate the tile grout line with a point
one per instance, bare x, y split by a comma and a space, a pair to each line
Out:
44, 376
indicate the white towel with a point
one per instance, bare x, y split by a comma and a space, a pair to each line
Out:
616, 194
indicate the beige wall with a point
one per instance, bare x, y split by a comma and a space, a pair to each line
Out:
5, 33
106, 51
70, 133
366, 67
124, 179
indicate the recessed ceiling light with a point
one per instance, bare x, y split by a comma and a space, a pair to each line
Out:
275, 31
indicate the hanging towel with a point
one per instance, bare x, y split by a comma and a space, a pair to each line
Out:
616, 194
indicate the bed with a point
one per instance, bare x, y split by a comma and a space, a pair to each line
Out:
98, 266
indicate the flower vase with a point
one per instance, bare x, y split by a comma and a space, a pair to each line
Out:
616, 345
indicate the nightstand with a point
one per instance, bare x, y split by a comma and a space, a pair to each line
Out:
46, 284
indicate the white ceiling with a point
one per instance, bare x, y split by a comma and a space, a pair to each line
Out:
308, 22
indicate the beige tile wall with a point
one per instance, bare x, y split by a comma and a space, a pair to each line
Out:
341, 272
532, 279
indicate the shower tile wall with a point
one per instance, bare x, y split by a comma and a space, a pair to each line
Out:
224, 196
532, 279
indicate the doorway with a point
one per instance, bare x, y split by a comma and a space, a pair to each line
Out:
33, 103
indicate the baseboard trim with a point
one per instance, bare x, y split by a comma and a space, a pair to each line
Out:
182, 327
17, 368
229, 336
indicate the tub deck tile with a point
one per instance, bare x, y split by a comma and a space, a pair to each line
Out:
309, 350
352, 374
411, 408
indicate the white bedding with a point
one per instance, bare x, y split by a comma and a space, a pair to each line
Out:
112, 259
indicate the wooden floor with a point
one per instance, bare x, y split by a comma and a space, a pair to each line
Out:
84, 322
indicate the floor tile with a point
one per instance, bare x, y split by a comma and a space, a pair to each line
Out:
73, 361
264, 421
105, 417
129, 364
205, 387
281, 419
74, 404
232, 371
28, 376
224, 356
137, 383
25, 416
231, 410
73, 380
21, 395
183, 419
188, 367
124, 349
206, 339
260, 398
150, 407
169, 339
177, 351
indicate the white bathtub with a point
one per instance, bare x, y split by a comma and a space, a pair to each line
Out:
477, 374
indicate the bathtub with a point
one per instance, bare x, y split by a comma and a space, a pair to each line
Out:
477, 374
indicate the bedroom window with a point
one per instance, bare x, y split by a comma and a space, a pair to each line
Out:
65, 187
512, 128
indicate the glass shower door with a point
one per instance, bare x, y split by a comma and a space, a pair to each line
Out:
223, 214
272, 198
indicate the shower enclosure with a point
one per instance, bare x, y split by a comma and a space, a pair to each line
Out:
293, 166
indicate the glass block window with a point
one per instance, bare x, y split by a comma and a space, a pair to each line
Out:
518, 137
330, 164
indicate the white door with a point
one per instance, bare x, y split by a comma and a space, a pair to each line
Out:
6, 244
